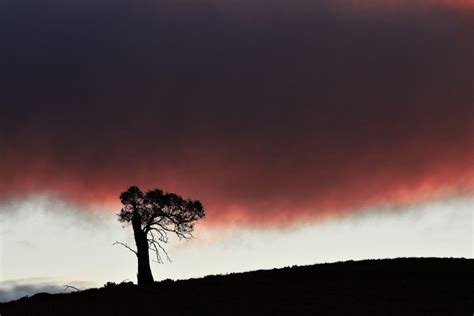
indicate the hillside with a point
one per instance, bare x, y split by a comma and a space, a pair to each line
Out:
405, 286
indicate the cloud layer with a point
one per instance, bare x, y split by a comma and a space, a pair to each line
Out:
268, 112
15, 289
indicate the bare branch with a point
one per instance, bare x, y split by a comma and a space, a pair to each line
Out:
124, 245
180, 234
156, 246
164, 251
157, 253
71, 287
163, 235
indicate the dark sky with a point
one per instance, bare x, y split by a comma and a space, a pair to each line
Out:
267, 111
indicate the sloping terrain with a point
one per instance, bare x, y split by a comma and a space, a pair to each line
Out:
405, 286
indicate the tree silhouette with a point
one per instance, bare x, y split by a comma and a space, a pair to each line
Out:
153, 215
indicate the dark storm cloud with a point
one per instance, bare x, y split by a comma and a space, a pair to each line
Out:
292, 109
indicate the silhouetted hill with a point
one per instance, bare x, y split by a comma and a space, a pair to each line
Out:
409, 286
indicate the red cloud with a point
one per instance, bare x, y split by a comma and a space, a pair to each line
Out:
270, 121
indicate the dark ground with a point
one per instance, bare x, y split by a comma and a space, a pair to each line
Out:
409, 286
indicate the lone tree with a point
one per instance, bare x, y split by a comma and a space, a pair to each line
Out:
153, 215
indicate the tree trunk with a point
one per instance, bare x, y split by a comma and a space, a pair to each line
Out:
144, 275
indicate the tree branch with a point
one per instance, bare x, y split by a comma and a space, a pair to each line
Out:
125, 245
155, 244
71, 287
